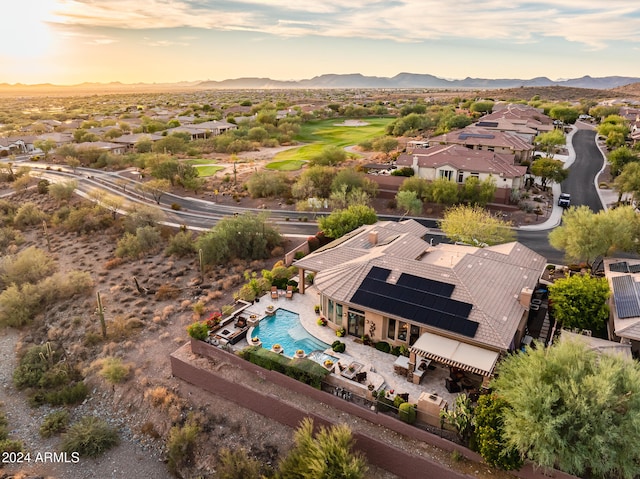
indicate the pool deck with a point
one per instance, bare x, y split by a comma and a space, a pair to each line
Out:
378, 365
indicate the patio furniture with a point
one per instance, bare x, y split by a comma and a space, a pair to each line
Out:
274, 292
241, 322
289, 292
361, 376
451, 385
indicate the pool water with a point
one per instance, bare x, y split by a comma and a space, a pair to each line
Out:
285, 329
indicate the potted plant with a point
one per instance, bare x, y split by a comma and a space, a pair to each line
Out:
276, 348
299, 353
255, 340
316, 308
340, 332
322, 321
328, 363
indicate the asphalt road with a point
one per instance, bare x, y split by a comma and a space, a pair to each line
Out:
203, 214
588, 163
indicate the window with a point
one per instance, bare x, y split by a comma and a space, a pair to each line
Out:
391, 328
460, 176
330, 316
446, 174
402, 331
338, 320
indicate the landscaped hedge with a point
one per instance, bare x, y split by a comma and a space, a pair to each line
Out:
407, 412
383, 346
300, 369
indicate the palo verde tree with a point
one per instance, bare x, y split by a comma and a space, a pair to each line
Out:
585, 235
580, 301
572, 408
620, 157
476, 226
550, 141
409, 202
628, 181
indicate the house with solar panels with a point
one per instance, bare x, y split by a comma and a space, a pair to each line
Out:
623, 276
461, 306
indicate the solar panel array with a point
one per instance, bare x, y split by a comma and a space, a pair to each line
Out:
464, 136
490, 124
625, 296
621, 267
417, 299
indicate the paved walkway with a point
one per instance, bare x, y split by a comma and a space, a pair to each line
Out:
377, 362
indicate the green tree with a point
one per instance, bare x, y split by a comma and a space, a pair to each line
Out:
461, 417
580, 301
265, 184
420, 186
566, 114
621, 157
476, 226
326, 454
550, 171
443, 191
572, 408
550, 141
329, 156
628, 181
585, 235
489, 426
351, 180
155, 188
170, 144
476, 192
166, 169
409, 202
46, 146
246, 236
483, 107
385, 144
341, 222
63, 191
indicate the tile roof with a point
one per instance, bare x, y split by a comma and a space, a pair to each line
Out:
489, 278
476, 136
462, 158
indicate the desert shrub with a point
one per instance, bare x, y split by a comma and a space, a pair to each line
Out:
234, 464
160, 397
145, 240
113, 263
29, 266
8, 237
383, 346
28, 214
11, 445
181, 444
181, 244
407, 412
63, 191
167, 291
142, 216
87, 219
90, 437
18, 304
198, 330
68, 395
267, 184
114, 371
61, 286
149, 429
54, 423
43, 187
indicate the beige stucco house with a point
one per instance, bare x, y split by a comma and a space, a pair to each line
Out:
458, 305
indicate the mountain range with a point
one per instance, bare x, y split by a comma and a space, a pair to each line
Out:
338, 81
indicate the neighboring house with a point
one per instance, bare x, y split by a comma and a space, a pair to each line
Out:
213, 127
461, 306
457, 163
520, 115
523, 131
12, 146
623, 276
59, 138
192, 130
476, 138
114, 148
129, 141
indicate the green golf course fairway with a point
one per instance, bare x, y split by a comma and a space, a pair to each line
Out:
320, 134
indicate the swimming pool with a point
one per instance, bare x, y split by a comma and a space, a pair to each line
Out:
285, 329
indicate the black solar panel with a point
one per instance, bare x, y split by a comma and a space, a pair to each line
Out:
418, 305
464, 136
634, 268
621, 267
379, 273
625, 296
492, 124
426, 284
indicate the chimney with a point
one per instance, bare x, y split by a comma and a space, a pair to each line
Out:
525, 297
373, 238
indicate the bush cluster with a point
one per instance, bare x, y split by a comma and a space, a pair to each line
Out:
54, 423
90, 437
338, 346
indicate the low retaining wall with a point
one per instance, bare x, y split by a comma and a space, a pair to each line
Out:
378, 452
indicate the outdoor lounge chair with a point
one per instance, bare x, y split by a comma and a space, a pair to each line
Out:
289, 292
274, 292
241, 322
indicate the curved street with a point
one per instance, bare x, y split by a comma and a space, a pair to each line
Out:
202, 215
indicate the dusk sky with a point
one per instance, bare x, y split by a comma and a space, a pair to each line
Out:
73, 41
